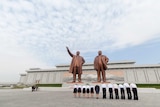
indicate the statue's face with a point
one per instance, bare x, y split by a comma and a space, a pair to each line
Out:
78, 53
99, 52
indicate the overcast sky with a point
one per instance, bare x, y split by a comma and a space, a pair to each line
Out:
35, 33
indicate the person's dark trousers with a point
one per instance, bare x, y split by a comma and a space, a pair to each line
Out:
33, 88
116, 93
129, 93
104, 93
122, 93
110, 93
135, 94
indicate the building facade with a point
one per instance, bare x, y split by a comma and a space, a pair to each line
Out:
117, 72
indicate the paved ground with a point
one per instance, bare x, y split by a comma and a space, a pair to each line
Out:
21, 98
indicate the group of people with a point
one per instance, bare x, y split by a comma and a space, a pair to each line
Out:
113, 91
100, 65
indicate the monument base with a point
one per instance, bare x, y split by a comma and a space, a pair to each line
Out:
70, 84
100, 82
75, 82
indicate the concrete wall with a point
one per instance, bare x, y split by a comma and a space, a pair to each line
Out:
117, 72
43, 78
150, 75
144, 75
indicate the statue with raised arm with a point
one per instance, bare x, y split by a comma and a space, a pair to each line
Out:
76, 65
100, 65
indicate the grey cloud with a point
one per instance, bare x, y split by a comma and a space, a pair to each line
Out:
44, 28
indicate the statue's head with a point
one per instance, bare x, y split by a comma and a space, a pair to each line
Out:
99, 52
77, 53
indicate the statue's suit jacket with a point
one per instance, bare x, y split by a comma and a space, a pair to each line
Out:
104, 60
80, 62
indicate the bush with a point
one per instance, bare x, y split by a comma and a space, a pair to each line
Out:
149, 86
49, 85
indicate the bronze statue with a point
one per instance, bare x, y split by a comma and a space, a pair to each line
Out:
100, 65
76, 65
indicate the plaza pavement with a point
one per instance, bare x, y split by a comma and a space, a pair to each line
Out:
63, 97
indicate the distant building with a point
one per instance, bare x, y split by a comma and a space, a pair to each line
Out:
118, 72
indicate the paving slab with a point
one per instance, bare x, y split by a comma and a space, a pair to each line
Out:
70, 88
21, 98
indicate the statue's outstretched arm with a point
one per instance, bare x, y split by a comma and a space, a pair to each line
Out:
69, 52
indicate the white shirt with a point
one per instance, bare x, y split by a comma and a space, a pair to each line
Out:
87, 87
79, 86
115, 86
83, 86
121, 86
110, 85
103, 86
126, 85
92, 86
75, 86
132, 85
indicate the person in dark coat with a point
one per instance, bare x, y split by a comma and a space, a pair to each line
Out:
97, 89
33, 88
